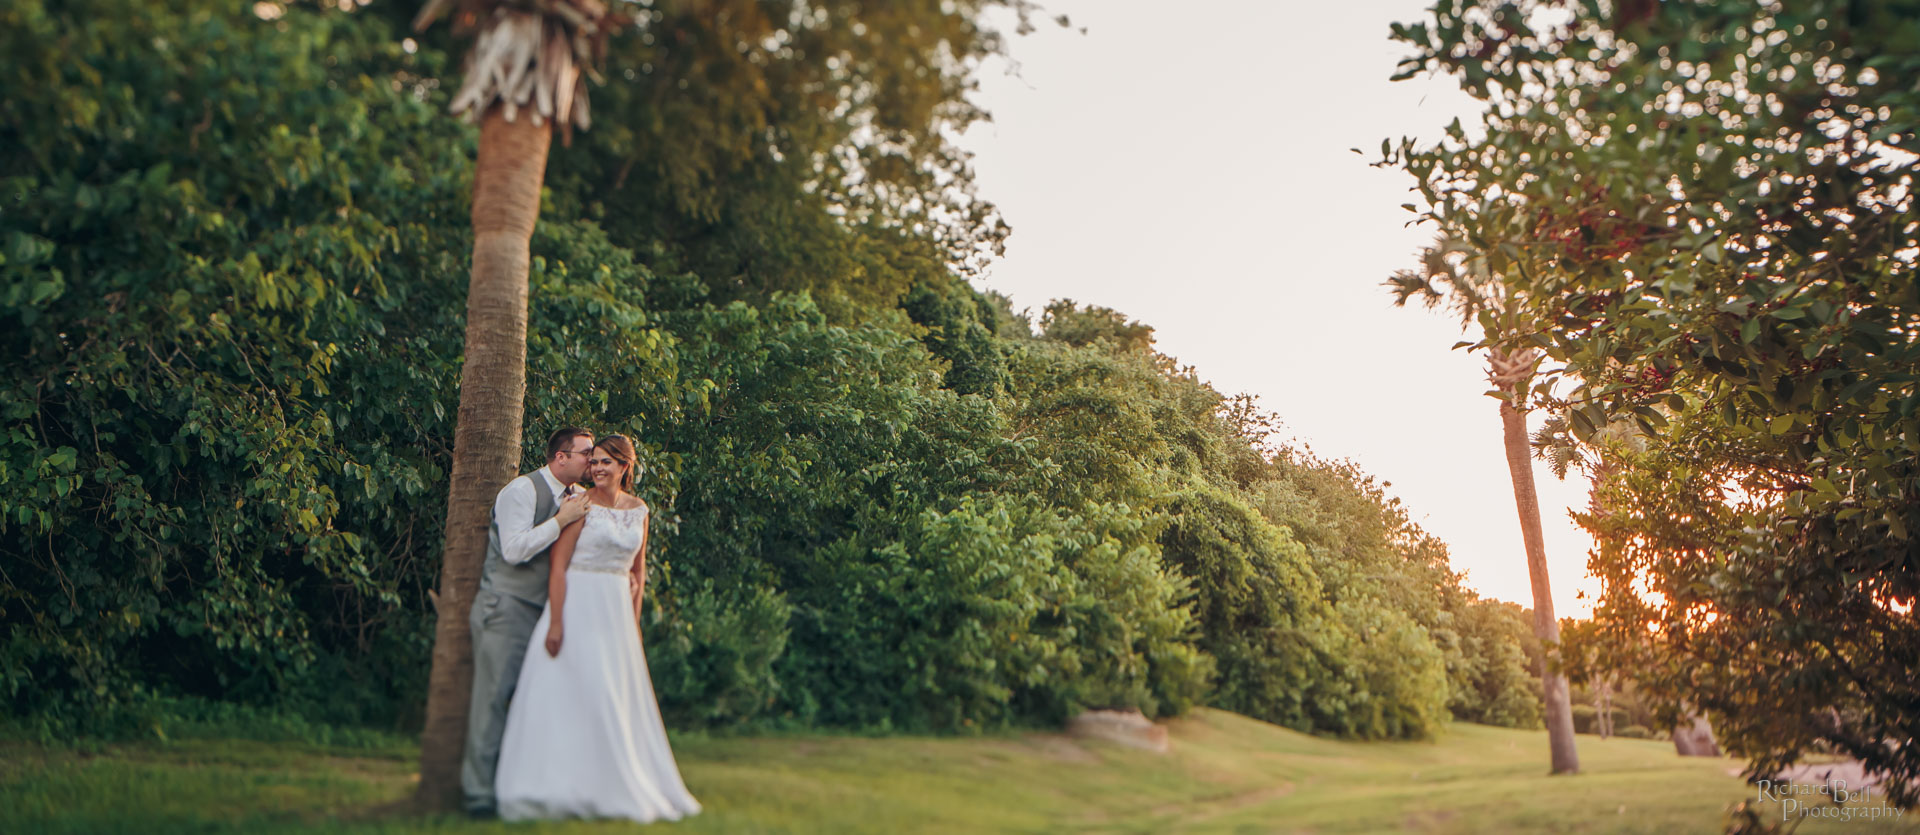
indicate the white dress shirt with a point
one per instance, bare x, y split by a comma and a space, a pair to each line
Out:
520, 538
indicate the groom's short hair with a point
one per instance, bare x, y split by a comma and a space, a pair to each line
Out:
562, 439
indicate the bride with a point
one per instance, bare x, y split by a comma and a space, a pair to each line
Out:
584, 736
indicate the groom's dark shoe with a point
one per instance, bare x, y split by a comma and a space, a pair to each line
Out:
482, 810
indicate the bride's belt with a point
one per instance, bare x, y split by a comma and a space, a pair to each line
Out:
598, 569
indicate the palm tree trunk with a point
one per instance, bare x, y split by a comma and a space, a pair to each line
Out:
1566, 760
486, 445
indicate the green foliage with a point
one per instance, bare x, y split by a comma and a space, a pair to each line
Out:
1702, 214
991, 612
1494, 680
1282, 658
809, 431
226, 434
1088, 414
1064, 321
234, 270
1375, 563
711, 656
1635, 732
174, 462
1388, 578
770, 149
959, 330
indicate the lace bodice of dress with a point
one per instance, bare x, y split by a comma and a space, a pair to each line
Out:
609, 540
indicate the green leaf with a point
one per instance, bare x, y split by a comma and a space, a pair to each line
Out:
1581, 425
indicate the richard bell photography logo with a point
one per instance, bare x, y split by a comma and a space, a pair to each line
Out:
1832, 800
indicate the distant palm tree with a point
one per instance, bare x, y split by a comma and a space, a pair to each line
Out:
1450, 275
523, 78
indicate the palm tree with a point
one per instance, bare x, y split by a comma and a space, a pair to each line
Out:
1452, 275
523, 78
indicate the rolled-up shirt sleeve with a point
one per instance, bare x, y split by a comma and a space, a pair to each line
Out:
520, 538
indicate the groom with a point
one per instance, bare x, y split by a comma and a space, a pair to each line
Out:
527, 517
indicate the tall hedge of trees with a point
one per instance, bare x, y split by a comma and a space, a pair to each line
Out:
234, 250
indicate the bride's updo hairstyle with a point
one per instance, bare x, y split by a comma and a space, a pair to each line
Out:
618, 448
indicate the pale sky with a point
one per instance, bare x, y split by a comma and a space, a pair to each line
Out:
1188, 165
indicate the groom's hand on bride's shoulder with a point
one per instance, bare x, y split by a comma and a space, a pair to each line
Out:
571, 509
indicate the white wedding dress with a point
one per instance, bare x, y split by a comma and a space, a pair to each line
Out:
584, 736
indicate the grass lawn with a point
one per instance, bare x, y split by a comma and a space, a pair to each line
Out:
1226, 773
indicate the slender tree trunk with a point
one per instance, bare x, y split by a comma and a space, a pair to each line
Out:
1604, 701
1520, 466
486, 446
1602, 474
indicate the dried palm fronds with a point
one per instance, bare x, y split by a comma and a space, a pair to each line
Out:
529, 55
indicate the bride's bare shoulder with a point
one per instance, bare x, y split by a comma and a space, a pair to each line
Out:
632, 503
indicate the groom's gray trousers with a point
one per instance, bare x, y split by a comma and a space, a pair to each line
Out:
504, 613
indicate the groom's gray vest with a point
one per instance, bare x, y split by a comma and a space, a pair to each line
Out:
528, 580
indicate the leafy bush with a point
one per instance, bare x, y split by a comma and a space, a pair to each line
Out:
1377, 566
991, 612
178, 491
1585, 719
1283, 654
711, 656
1493, 680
